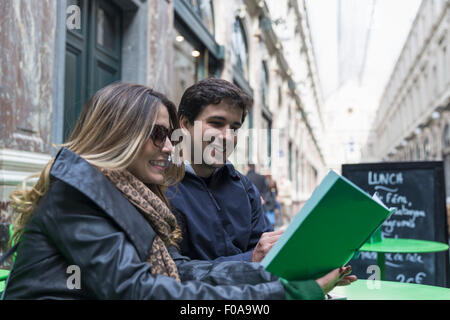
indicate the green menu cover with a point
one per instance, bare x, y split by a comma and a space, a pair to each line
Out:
330, 228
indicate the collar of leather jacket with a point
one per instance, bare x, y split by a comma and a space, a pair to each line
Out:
79, 174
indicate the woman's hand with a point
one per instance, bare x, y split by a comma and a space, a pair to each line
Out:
337, 277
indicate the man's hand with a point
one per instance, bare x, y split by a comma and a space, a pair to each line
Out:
264, 244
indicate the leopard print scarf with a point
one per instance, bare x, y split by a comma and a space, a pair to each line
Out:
156, 213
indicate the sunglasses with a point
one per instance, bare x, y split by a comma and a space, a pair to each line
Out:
159, 135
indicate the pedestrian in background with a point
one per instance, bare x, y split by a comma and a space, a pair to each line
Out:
262, 184
274, 212
285, 196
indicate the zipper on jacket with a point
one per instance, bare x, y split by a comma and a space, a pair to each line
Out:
210, 195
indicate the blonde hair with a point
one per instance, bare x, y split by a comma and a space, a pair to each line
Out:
111, 130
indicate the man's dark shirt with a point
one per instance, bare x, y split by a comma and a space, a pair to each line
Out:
220, 219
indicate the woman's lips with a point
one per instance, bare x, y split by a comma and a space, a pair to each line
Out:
159, 164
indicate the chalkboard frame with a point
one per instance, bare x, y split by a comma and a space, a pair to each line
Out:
442, 261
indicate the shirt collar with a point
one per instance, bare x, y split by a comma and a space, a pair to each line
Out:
228, 165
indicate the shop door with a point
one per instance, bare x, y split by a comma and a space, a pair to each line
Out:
93, 56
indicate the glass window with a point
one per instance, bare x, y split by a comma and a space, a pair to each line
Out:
204, 10
444, 67
196, 6
280, 97
186, 65
106, 29
264, 84
250, 136
207, 15
426, 149
446, 136
434, 82
290, 160
240, 48
266, 125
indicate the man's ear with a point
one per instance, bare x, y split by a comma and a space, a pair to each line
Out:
185, 123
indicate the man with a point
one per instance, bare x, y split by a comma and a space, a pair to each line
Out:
218, 209
257, 179
286, 200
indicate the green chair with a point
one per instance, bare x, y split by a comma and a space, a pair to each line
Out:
5, 273
3, 276
11, 232
12, 244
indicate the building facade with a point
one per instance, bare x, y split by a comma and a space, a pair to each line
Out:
413, 119
303, 135
54, 54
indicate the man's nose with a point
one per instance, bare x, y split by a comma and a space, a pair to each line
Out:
227, 133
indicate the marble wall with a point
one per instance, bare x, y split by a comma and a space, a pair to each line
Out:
27, 41
160, 48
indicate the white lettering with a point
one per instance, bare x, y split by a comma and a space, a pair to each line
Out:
385, 178
246, 309
197, 310
74, 281
374, 278
74, 20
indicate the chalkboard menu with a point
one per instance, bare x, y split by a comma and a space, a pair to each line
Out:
417, 190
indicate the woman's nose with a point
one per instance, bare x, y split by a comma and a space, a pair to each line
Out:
168, 146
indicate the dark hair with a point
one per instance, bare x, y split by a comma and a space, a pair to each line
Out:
212, 91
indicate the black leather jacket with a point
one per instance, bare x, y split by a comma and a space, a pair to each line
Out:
84, 220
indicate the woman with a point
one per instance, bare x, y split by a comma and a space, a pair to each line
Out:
97, 224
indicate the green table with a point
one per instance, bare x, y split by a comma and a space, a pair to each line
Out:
400, 246
389, 290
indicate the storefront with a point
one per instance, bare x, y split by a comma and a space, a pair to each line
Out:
196, 52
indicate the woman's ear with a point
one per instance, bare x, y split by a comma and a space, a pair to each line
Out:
183, 149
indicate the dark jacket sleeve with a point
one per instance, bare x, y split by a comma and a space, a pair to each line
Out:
229, 272
259, 225
111, 268
235, 273
241, 257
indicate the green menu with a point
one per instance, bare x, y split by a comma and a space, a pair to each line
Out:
327, 232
